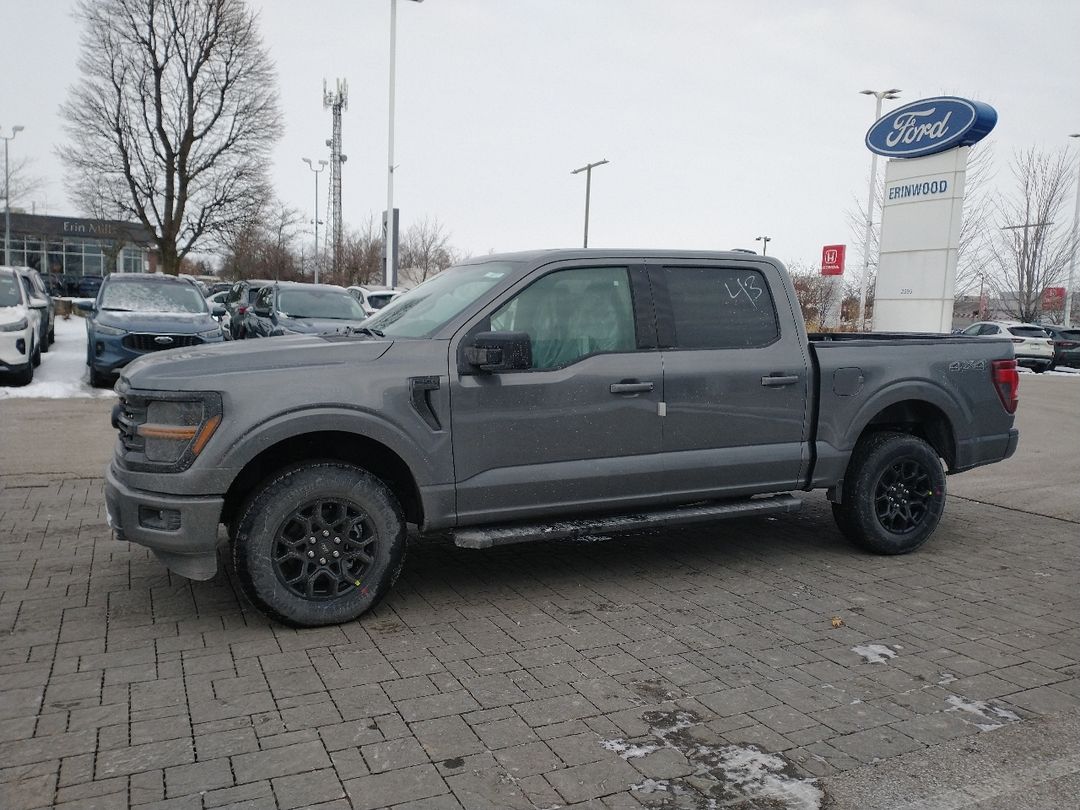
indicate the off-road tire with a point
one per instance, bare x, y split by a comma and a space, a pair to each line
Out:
268, 527
893, 494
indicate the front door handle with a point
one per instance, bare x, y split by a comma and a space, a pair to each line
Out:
630, 387
775, 381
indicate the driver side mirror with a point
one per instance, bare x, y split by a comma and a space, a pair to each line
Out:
500, 351
86, 306
218, 311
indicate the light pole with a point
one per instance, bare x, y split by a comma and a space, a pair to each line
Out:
1072, 257
391, 247
764, 243
879, 95
587, 168
7, 193
310, 165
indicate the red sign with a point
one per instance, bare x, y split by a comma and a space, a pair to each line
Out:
832, 260
1053, 298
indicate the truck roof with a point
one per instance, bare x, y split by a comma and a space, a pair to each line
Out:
561, 254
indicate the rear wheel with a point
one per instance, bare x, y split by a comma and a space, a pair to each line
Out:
319, 544
894, 493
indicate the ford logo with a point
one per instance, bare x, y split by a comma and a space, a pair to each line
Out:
164, 340
930, 126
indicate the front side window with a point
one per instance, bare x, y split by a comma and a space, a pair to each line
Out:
973, 329
10, 296
720, 308
151, 296
570, 314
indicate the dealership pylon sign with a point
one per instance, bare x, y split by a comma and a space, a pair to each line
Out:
928, 142
832, 260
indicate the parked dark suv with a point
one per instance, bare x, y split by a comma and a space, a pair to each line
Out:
1066, 345
139, 313
238, 301
290, 308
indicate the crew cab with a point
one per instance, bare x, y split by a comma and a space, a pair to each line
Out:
537, 396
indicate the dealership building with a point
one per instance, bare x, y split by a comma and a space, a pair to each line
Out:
66, 246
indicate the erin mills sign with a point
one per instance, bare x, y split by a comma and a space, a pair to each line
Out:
929, 126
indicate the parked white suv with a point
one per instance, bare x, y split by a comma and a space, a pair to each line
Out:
1033, 347
372, 299
20, 325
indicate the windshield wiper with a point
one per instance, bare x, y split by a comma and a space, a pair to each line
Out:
118, 309
363, 330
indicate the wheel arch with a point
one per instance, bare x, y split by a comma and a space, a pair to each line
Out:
920, 418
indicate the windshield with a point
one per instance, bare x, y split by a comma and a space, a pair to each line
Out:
313, 303
151, 296
9, 291
1027, 331
422, 310
379, 300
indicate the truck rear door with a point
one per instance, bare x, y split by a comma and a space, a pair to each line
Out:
736, 378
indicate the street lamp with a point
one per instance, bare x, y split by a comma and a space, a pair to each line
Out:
587, 168
1072, 257
764, 243
7, 193
391, 269
322, 165
879, 95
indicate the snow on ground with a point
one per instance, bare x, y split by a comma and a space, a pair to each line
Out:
874, 653
1060, 371
62, 373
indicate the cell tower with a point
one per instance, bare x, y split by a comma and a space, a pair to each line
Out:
337, 101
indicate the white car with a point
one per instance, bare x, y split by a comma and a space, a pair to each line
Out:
20, 325
372, 299
1033, 348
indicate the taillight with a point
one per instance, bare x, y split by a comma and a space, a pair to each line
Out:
1067, 344
1007, 382
240, 310
1017, 340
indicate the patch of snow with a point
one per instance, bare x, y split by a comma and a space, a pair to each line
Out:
758, 775
992, 716
63, 373
628, 750
874, 653
650, 785
947, 677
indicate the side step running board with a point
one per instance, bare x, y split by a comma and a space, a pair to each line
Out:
488, 536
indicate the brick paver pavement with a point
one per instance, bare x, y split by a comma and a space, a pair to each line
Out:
619, 673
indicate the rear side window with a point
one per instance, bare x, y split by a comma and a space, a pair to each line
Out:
1027, 331
720, 308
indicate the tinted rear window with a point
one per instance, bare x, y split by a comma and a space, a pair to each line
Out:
720, 308
1027, 331
1069, 334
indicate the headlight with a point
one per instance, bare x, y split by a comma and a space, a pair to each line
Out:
171, 430
209, 333
18, 326
102, 329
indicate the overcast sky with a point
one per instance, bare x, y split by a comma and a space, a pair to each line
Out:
723, 121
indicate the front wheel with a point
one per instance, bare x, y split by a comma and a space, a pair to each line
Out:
894, 493
320, 544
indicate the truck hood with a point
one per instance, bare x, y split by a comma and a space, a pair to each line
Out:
317, 326
200, 367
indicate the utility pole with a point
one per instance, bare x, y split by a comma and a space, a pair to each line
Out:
1072, 256
7, 193
879, 95
587, 168
322, 165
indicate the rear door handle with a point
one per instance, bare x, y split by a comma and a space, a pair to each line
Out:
630, 387
775, 381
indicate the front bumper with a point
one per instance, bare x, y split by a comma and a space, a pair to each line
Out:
182, 531
11, 357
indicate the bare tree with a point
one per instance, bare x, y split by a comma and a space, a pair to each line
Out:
425, 250
361, 255
1032, 241
173, 119
267, 248
23, 182
816, 294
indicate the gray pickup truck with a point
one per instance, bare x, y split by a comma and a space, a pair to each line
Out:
542, 395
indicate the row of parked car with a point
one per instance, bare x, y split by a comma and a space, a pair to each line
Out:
27, 322
137, 313
1038, 346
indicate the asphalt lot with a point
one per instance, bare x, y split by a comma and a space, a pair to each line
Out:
672, 669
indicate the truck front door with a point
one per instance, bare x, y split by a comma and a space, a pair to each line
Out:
735, 382
577, 432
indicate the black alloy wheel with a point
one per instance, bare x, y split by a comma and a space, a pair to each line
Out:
324, 548
903, 496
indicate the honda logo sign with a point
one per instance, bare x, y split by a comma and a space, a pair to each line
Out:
832, 260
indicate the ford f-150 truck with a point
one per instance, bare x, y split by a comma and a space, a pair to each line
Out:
542, 395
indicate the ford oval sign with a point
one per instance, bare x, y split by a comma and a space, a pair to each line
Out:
929, 126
